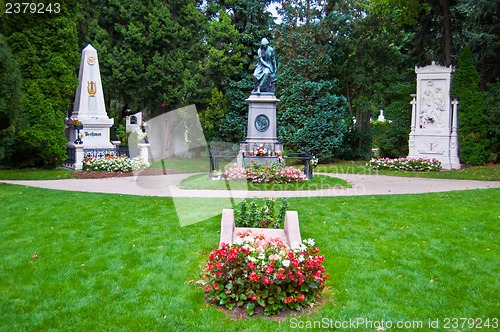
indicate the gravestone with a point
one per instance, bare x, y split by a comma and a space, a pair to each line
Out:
261, 143
89, 107
133, 122
434, 121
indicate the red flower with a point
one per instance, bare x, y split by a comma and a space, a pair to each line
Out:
269, 269
252, 265
291, 255
295, 263
266, 281
302, 298
216, 287
254, 277
207, 288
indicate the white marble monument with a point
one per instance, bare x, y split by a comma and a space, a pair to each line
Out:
434, 121
89, 107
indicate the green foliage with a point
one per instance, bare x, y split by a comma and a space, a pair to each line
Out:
391, 139
472, 125
153, 48
263, 217
250, 23
369, 58
311, 119
10, 96
40, 139
46, 49
493, 118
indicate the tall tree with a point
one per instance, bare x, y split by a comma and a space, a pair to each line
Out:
253, 22
367, 48
46, 49
310, 116
10, 98
472, 125
150, 54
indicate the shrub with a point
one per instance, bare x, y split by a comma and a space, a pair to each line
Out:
257, 173
264, 217
114, 164
264, 273
405, 164
472, 125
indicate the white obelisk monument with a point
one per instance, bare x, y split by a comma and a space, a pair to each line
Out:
89, 107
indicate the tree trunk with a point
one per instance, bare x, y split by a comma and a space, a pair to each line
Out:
446, 31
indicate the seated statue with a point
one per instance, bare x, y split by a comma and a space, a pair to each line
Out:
264, 76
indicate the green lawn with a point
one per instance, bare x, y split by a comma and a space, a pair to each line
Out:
117, 262
35, 174
482, 173
203, 181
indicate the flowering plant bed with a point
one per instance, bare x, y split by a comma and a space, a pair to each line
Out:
114, 164
261, 272
256, 173
249, 215
405, 164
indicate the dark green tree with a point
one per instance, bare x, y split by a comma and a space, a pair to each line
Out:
310, 116
10, 98
493, 118
150, 53
472, 124
368, 57
222, 65
252, 22
46, 49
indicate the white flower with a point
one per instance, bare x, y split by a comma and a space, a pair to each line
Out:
262, 256
301, 258
286, 263
310, 242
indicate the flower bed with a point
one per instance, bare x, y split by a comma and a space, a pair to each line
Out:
256, 173
405, 164
249, 215
114, 164
262, 272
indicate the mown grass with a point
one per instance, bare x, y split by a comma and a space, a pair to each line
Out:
117, 262
35, 174
203, 181
482, 173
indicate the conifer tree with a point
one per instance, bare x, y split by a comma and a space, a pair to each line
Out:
472, 125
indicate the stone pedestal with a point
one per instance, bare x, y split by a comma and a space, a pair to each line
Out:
143, 151
434, 117
261, 129
290, 234
79, 155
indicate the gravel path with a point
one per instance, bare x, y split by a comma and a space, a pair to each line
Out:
167, 185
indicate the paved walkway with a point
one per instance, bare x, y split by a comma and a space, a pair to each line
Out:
167, 185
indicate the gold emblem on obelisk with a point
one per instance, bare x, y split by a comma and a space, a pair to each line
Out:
91, 88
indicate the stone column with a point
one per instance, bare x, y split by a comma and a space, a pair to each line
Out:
454, 160
144, 150
411, 141
79, 155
